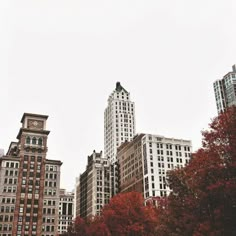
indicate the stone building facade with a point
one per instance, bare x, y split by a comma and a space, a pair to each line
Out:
144, 162
30, 181
66, 210
119, 121
95, 186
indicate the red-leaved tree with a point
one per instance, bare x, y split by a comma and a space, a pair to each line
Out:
127, 215
203, 201
97, 227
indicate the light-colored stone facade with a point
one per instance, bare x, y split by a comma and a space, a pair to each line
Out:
119, 121
9, 171
66, 209
144, 162
94, 186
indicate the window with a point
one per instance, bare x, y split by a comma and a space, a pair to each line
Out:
40, 141
34, 140
28, 140
12, 209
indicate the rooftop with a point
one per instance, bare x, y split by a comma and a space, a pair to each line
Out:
119, 87
33, 115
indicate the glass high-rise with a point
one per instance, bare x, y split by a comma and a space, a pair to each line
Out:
225, 90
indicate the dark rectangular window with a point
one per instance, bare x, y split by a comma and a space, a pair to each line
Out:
69, 208
29, 201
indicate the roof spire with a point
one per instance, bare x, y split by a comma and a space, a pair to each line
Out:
118, 86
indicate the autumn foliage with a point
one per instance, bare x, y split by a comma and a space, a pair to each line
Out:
126, 214
202, 201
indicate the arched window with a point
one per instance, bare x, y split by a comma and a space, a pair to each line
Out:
40, 141
28, 140
34, 140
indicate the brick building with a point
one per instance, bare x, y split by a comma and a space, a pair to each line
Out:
29, 183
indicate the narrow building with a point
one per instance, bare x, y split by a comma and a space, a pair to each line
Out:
9, 171
66, 209
94, 187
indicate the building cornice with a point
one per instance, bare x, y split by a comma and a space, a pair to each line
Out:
32, 131
33, 115
54, 162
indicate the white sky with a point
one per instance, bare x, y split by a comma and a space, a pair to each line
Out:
63, 57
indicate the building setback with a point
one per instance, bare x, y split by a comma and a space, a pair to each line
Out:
144, 162
66, 209
119, 121
29, 184
225, 90
94, 187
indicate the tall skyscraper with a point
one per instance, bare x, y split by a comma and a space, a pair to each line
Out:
225, 90
119, 121
144, 162
29, 183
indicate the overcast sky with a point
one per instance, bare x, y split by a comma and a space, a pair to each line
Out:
63, 57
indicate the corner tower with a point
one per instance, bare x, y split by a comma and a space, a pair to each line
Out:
31, 150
